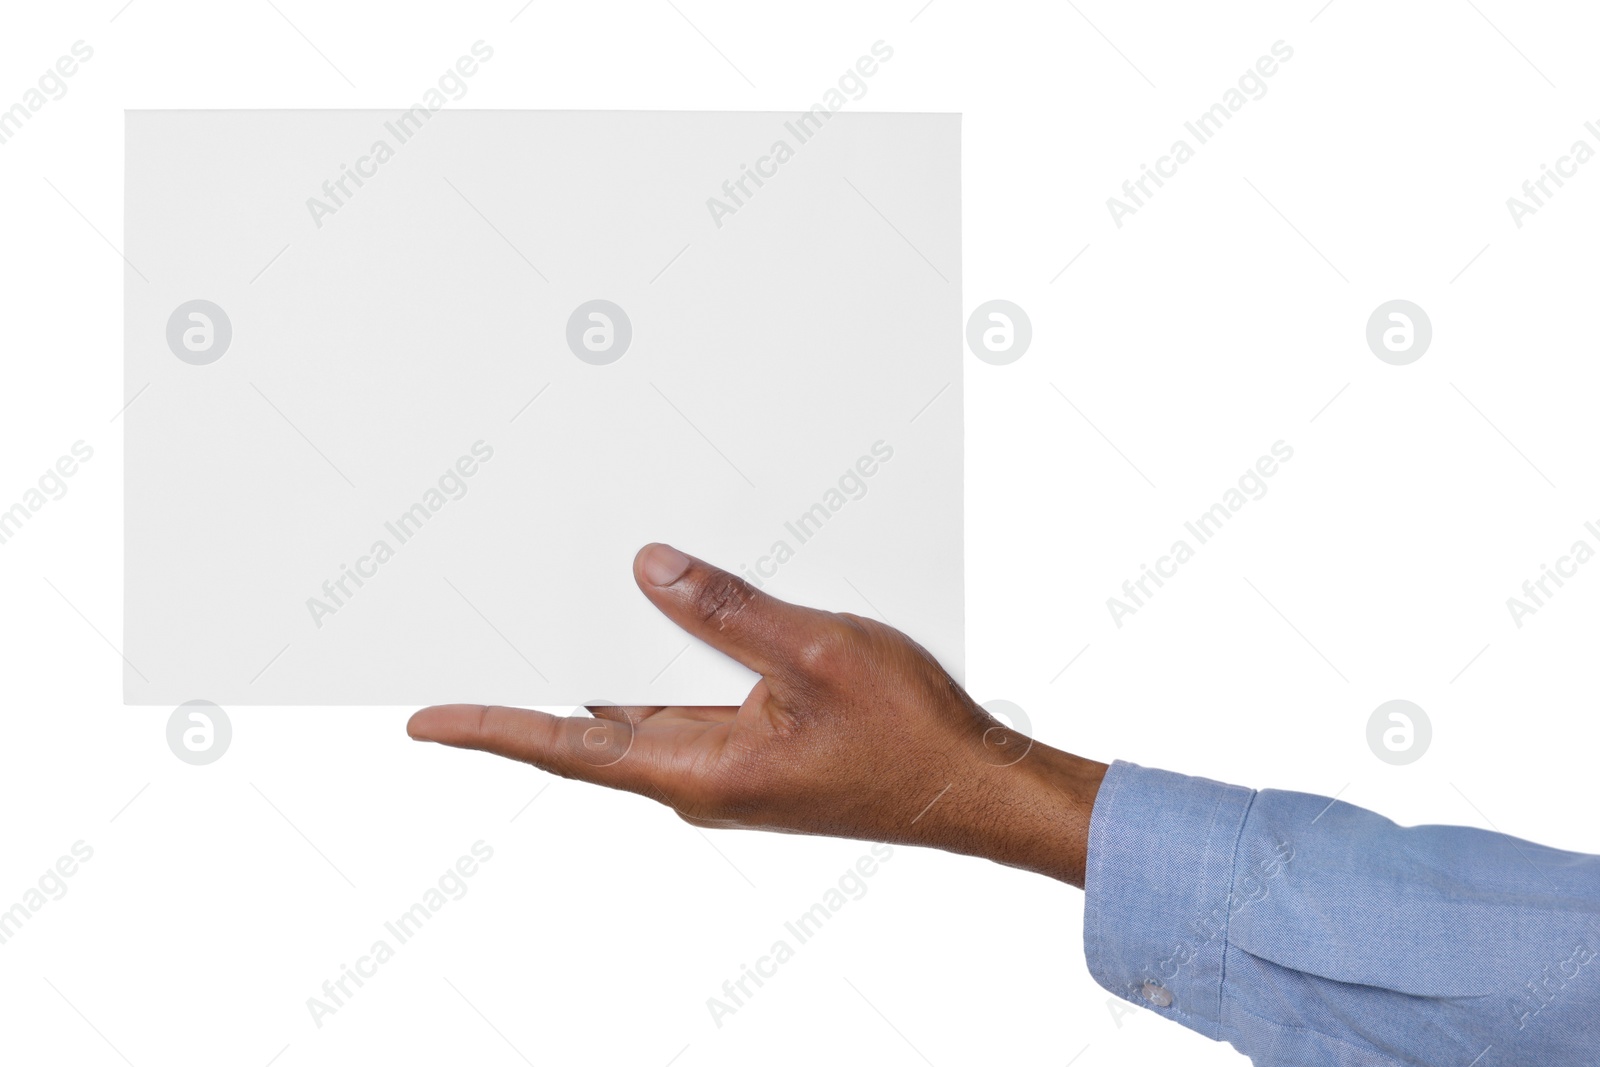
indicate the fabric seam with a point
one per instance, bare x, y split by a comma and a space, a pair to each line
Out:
1227, 919
1371, 1055
1095, 968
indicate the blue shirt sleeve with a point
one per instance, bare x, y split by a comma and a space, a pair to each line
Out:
1302, 930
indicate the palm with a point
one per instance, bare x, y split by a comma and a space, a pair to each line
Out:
684, 743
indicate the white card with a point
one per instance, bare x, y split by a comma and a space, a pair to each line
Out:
412, 389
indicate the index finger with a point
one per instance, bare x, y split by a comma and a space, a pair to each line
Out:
589, 749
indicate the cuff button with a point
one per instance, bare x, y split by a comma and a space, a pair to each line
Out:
1158, 996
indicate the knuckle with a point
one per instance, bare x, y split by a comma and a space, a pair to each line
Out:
601, 743
721, 597
826, 652
884, 638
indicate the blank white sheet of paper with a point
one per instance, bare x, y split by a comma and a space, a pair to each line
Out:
411, 390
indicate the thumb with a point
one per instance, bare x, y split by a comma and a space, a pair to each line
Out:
725, 611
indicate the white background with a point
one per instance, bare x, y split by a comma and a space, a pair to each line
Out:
1222, 317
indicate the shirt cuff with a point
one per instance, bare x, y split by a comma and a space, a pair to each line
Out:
1159, 888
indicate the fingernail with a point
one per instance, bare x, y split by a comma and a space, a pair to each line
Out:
664, 564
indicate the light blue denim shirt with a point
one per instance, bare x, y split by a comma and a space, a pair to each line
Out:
1306, 931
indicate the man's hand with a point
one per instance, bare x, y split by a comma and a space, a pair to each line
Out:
853, 731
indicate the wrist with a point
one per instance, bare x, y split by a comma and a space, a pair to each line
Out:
1048, 802
1032, 813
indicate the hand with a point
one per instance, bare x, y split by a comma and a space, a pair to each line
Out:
853, 730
